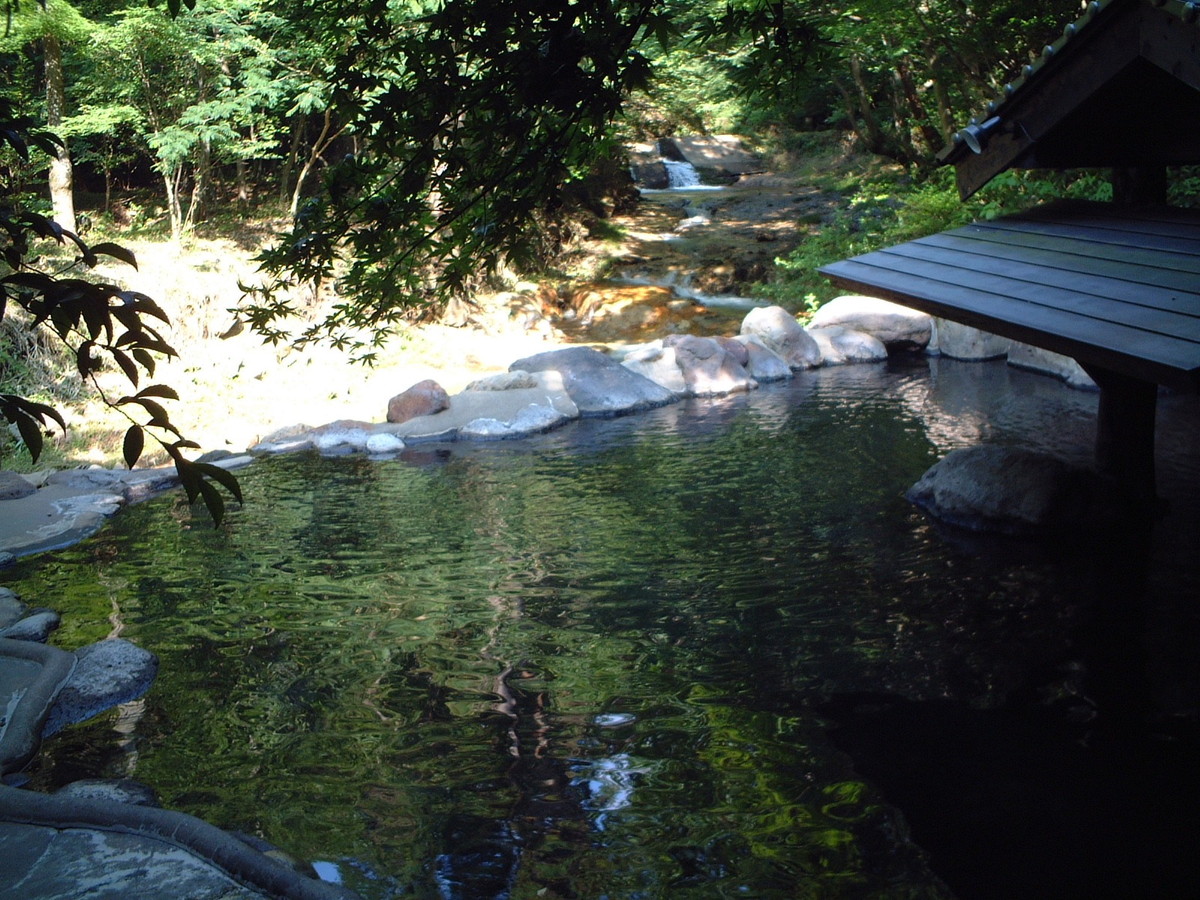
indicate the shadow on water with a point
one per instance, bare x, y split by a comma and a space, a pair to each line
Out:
1077, 786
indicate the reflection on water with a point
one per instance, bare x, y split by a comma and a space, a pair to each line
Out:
706, 651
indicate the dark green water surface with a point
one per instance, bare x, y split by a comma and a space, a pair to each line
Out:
708, 651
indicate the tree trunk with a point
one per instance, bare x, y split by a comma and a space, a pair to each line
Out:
171, 181
929, 134
289, 163
243, 184
322, 143
62, 176
201, 176
874, 134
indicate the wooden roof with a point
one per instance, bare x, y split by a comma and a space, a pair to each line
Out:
1120, 88
1117, 288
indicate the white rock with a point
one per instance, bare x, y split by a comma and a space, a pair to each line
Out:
353, 438
779, 330
960, 341
504, 381
709, 367
596, 384
890, 323
1035, 359
840, 346
659, 364
381, 444
763, 363
533, 419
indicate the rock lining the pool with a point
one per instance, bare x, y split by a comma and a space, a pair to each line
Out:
538, 394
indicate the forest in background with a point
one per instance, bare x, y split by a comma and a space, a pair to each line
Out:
404, 151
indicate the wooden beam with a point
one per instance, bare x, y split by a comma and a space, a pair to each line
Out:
1125, 432
1140, 186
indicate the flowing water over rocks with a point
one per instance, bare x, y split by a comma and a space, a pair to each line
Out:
690, 257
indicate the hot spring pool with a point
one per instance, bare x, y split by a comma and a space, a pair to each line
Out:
707, 651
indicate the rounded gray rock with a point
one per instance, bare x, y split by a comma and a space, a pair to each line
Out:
890, 323
106, 674
37, 626
779, 330
11, 607
1008, 490
597, 384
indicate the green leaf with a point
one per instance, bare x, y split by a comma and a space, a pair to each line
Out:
84, 361
17, 141
31, 435
135, 442
159, 390
214, 501
35, 280
128, 366
146, 358
223, 477
116, 251
41, 412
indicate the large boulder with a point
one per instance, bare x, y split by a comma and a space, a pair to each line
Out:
425, 398
106, 674
1012, 491
959, 341
763, 363
1047, 362
724, 153
840, 346
652, 175
779, 330
598, 385
894, 325
736, 349
36, 625
659, 364
709, 370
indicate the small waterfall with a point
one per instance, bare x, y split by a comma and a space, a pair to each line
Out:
681, 174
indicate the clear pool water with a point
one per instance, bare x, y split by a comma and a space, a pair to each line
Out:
707, 651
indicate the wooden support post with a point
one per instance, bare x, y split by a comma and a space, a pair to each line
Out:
1139, 185
1125, 432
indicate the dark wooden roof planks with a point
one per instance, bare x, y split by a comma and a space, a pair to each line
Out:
1113, 289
